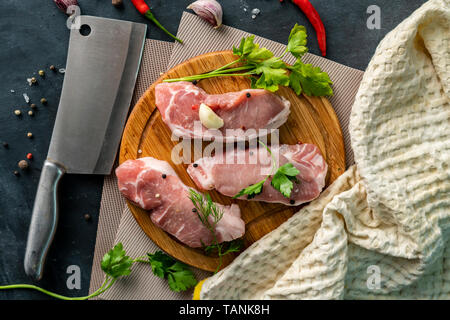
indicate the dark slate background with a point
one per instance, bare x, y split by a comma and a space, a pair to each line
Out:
33, 36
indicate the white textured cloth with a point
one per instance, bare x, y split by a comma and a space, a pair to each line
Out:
390, 213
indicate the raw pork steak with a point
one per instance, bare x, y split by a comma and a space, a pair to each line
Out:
153, 185
231, 172
178, 104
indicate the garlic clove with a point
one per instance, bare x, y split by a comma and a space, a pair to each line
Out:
209, 10
209, 118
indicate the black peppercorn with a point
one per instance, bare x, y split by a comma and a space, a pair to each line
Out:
164, 176
16, 173
87, 217
194, 82
5, 145
292, 201
248, 95
195, 165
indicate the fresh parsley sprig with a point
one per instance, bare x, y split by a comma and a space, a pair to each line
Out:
116, 264
283, 179
266, 71
178, 275
206, 208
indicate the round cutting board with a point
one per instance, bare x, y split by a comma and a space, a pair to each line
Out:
312, 120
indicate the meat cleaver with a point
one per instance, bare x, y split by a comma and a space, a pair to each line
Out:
100, 76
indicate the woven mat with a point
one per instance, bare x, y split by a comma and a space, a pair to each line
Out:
116, 223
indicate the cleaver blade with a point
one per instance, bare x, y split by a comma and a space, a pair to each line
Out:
102, 65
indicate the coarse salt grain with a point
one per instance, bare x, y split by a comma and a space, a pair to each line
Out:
26, 97
255, 12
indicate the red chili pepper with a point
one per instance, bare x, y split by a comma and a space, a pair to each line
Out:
144, 9
316, 22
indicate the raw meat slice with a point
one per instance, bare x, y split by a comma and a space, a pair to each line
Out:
243, 112
231, 172
153, 185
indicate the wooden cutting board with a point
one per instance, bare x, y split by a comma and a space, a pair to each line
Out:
312, 120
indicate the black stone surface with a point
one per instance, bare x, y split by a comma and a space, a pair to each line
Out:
33, 36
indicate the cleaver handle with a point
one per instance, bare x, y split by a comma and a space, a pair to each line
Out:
43, 220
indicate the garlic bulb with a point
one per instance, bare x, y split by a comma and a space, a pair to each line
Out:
209, 118
64, 4
209, 10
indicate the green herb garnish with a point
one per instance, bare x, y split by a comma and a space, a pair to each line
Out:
283, 180
209, 214
116, 264
267, 71
179, 276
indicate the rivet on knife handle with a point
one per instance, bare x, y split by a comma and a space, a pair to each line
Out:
44, 219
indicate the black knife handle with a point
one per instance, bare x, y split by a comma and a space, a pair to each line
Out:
43, 220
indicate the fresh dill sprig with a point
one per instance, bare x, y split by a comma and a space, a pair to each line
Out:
206, 208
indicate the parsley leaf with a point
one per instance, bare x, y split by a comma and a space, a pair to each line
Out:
251, 52
310, 80
288, 169
251, 191
297, 41
282, 183
246, 46
272, 73
272, 69
160, 262
115, 263
283, 179
179, 276
259, 54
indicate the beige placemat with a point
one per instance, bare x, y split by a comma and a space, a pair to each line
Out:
198, 38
